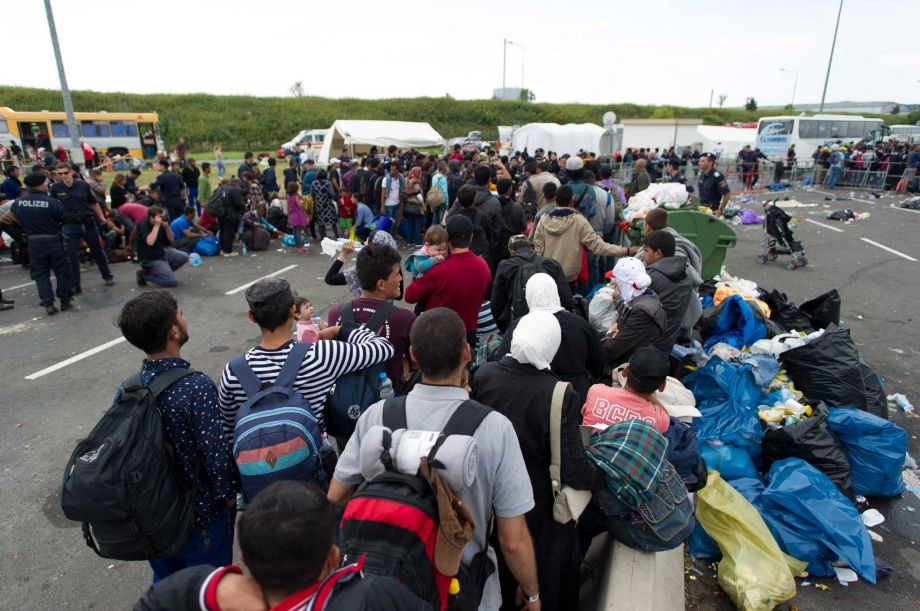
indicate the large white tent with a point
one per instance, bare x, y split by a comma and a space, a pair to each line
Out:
568, 138
732, 139
360, 136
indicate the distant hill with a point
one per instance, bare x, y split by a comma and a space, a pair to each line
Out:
255, 123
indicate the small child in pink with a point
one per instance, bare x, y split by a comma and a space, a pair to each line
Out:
646, 373
308, 327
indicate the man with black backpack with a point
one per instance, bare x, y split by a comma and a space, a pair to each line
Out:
509, 298
159, 485
287, 538
501, 487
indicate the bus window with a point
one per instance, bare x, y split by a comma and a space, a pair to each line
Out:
34, 134
822, 129
95, 129
808, 128
775, 128
4, 126
124, 129
60, 129
857, 129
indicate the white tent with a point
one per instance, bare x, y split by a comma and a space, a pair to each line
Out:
568, 138
732, 139
360, 136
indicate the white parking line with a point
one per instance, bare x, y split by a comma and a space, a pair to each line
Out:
249, 284
74, 359
825, 226
18, 286
905, 209
891, 250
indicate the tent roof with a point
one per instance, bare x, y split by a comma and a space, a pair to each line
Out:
719, 133
379, 133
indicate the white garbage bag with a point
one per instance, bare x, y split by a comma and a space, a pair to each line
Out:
602, 311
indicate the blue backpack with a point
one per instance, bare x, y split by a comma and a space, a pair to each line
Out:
353, 393
276, 436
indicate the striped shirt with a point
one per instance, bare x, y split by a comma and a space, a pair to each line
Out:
323, 365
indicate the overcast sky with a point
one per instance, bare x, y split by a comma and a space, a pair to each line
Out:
662, 52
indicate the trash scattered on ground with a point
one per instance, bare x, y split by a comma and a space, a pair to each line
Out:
912, 203
875, 536
845, 575
901, 401
846, 214
872, 517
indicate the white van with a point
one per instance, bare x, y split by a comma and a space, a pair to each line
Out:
308, 140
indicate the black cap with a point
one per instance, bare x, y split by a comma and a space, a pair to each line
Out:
674, 163
648, 369
35, 179
269, 290
459, 225
709, 156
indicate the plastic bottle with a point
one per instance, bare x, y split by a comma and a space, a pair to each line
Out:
902, 402
194, 259
386, 387
245, 250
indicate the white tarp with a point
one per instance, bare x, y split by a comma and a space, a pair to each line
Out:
733, 139
362, 135
568, 138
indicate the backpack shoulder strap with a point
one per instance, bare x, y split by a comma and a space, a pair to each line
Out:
394, 413
248, 380
466, 418
555, 433
288, 374
134, 382
380, 316
166, 379
346, 312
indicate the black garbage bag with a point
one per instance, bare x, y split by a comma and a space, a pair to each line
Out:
876, 401
823, 310
828, 369
785, 313
813, 441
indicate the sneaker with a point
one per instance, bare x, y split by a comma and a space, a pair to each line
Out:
66, 305
232, 253
7, 301
110, 282
140, 278
51, 310
5, 306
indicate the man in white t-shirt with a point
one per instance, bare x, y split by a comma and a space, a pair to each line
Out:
391, 186
501, 489
717, 149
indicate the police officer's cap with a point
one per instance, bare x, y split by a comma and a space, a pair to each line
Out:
35, 179
709, 156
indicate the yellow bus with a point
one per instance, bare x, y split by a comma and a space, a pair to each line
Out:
114, 133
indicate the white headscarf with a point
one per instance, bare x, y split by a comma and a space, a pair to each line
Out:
631, 278
536, 339
542, 294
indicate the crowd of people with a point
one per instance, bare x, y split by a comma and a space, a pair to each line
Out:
890, 165
500, 252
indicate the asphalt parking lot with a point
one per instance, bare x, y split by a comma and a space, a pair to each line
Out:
59, 375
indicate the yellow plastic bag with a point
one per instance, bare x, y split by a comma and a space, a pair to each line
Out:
754, 572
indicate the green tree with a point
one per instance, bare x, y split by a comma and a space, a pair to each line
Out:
751, 104
896, 109
722, 98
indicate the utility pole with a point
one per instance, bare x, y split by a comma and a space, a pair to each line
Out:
829, 59
795, 84
76, 151
504, 62
711, 93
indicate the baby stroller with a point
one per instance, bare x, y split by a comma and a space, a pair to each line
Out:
778, 238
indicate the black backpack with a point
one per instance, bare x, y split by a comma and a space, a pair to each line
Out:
480, 245
372, 182
393, 520
529, 197
454, 182
122, 481
519, 291
216, 205
353, 393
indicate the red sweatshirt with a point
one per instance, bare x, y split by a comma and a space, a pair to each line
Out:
459, 283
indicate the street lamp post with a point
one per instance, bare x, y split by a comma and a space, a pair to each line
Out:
831, 58
504, 62
76, 151
517, 44
795, 84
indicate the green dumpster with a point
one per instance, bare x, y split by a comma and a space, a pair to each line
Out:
712, 236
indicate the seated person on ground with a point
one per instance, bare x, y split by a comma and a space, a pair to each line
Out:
186, 231
159, 261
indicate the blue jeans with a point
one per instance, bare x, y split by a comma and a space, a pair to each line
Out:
212, 545
193, 198
89, 231
437, 215
393, 213
835, 176
413, 228
221, 169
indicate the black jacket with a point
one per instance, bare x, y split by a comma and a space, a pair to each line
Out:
523, 394
506, 276
234, 205
184, 591
674, 289
641, 322
512, 224
580, 355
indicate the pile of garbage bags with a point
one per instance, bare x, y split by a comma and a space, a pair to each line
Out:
670, 195
793, 427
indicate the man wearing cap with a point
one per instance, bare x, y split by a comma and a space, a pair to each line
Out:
81, 217
41, 218
646, 373
460, 283
172, 190
675, 174
713, 187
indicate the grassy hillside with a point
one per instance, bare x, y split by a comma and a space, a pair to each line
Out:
253, 123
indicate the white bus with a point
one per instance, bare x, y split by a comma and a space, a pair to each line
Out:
776, 134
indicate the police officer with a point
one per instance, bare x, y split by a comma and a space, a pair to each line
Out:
81, 217
41, 218
675, 175
172, 191
712, 184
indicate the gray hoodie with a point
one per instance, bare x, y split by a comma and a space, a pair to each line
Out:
674, 288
